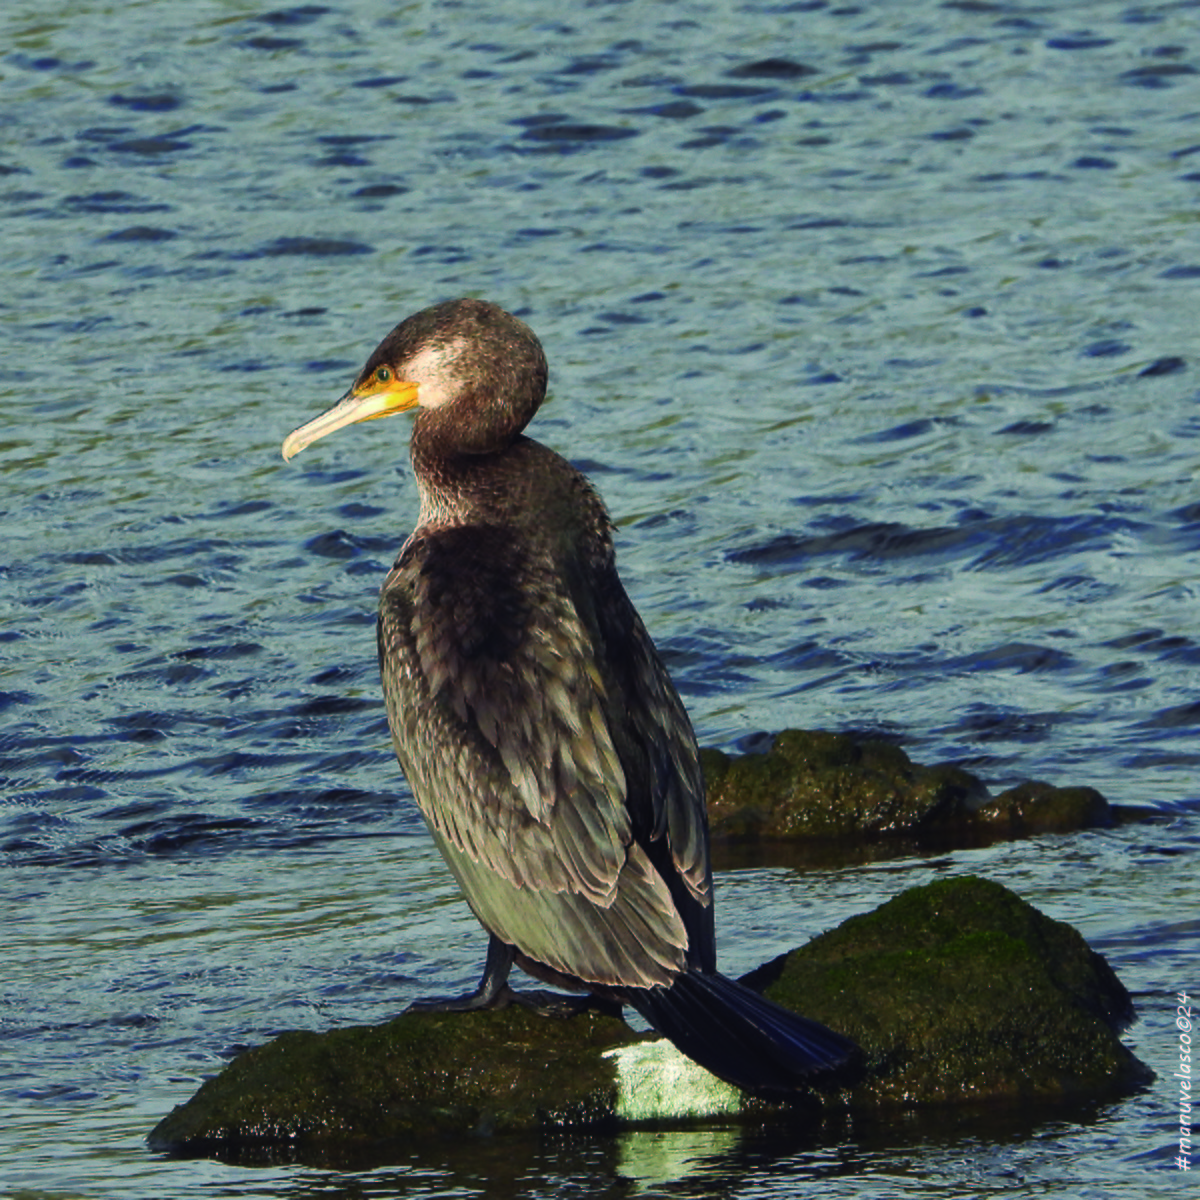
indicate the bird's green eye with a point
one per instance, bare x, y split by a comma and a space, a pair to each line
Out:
383, 375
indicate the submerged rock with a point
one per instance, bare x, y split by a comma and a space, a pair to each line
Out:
957, 992
814, 785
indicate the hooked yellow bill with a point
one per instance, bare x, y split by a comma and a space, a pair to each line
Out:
380, 395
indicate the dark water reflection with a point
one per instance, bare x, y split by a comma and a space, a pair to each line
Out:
873, 323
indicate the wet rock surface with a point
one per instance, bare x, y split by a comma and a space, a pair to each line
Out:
957, 992
821, 786
419, 1076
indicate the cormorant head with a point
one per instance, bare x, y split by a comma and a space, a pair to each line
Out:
476, 373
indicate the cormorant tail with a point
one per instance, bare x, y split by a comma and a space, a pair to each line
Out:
740, 1036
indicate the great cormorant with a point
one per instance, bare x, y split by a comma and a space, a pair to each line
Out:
539, 730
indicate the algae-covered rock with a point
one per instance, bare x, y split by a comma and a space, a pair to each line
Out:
818, 784
1036, 807
957, 992
814, 787
421, 1075
960, 991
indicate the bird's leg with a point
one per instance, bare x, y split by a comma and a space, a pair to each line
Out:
493, 990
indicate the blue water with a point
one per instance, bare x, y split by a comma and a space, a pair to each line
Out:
875, 326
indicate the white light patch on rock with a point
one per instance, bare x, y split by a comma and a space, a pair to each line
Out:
655, 1083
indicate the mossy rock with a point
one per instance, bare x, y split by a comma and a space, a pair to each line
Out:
829, 785
1036, 807
419, 1076
820, 796
960, 991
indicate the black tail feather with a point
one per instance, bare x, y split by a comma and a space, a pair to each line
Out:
741, 1036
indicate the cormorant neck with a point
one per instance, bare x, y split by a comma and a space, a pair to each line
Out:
459, 485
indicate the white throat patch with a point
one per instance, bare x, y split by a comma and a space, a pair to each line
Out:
433, 368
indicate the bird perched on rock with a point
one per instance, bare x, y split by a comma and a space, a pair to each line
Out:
540, 732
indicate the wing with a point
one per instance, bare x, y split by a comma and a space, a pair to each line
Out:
502, 717
666, 794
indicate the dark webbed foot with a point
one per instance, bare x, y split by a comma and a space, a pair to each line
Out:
471, 1002
494, 992
545, 1004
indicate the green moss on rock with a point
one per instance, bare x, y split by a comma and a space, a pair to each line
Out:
817, 788
962, 991
828, 785
1036, 807
956, 992
420, 1075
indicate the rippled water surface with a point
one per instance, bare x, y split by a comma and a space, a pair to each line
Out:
875, 325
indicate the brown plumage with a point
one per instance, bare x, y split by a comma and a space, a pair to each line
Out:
537, 726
